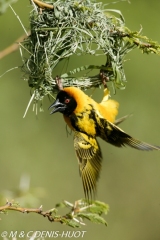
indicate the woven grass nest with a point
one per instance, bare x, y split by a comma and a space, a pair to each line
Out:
71, 28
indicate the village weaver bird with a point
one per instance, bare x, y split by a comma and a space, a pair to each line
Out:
89, 120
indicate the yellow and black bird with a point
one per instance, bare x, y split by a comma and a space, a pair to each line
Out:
89, 120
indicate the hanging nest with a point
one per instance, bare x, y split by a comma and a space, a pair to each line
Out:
68, 28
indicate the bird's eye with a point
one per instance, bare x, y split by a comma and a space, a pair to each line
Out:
67, 100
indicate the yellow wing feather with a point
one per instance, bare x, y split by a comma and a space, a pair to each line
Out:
89, 157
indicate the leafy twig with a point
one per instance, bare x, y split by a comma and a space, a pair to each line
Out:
74, 218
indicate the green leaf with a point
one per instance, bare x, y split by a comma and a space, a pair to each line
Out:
95, 218
99, 208
72, 223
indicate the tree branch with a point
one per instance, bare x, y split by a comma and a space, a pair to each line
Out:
12, 48
42, 5
78, 211
13, 207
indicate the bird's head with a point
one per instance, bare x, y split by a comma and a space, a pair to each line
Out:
64, 103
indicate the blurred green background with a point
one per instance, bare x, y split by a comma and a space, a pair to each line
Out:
38, 146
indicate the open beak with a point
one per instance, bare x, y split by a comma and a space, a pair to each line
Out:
58, 107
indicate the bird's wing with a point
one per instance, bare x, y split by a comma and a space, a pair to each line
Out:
117, 137
89, 158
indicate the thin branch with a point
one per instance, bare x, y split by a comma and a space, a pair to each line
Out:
13, 47
142, 42
48, 214
78, 211
42, 5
